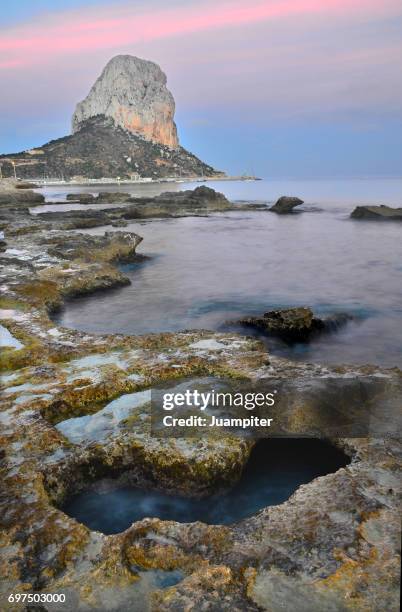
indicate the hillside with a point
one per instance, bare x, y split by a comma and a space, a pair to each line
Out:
100, 149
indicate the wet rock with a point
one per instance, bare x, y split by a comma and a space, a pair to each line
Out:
379, 213
113, 246
285, 205
85, 278
82, 198
334, 321
200, 197
75, 219
172, 202
26, 185
20, 196
295, 324
109, 197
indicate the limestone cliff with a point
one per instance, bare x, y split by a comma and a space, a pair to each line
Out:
133, 92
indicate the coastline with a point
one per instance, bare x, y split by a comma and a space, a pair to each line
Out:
60, 374
198, 179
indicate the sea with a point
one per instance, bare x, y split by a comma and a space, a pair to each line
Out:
208, 272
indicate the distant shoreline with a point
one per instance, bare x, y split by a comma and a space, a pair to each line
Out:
198, 179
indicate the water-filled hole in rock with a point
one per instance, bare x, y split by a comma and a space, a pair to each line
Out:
276, 468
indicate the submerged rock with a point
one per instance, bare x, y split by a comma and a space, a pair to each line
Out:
295, 324
386, 213
285, 205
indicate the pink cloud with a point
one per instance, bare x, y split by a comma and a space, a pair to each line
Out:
11, 63
276, 57
74, 32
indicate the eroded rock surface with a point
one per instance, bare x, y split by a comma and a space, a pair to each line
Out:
133, 92
333, 544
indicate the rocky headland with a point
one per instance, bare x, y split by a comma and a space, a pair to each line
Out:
334, 545
124, 128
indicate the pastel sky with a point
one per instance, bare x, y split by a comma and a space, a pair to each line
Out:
281, 88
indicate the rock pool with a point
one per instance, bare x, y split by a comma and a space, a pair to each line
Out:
276, 468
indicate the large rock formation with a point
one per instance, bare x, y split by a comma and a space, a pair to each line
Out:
102, 150
123, 129
133, 92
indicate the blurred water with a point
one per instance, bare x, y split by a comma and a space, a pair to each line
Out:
203, 272
274, 471
323, 191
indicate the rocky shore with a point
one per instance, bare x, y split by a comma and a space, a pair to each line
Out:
13, 192
334, 545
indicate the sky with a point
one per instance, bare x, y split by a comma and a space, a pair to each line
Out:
278, 88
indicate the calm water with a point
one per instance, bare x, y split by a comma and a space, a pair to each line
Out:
322, 191
203, 272
275, 469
